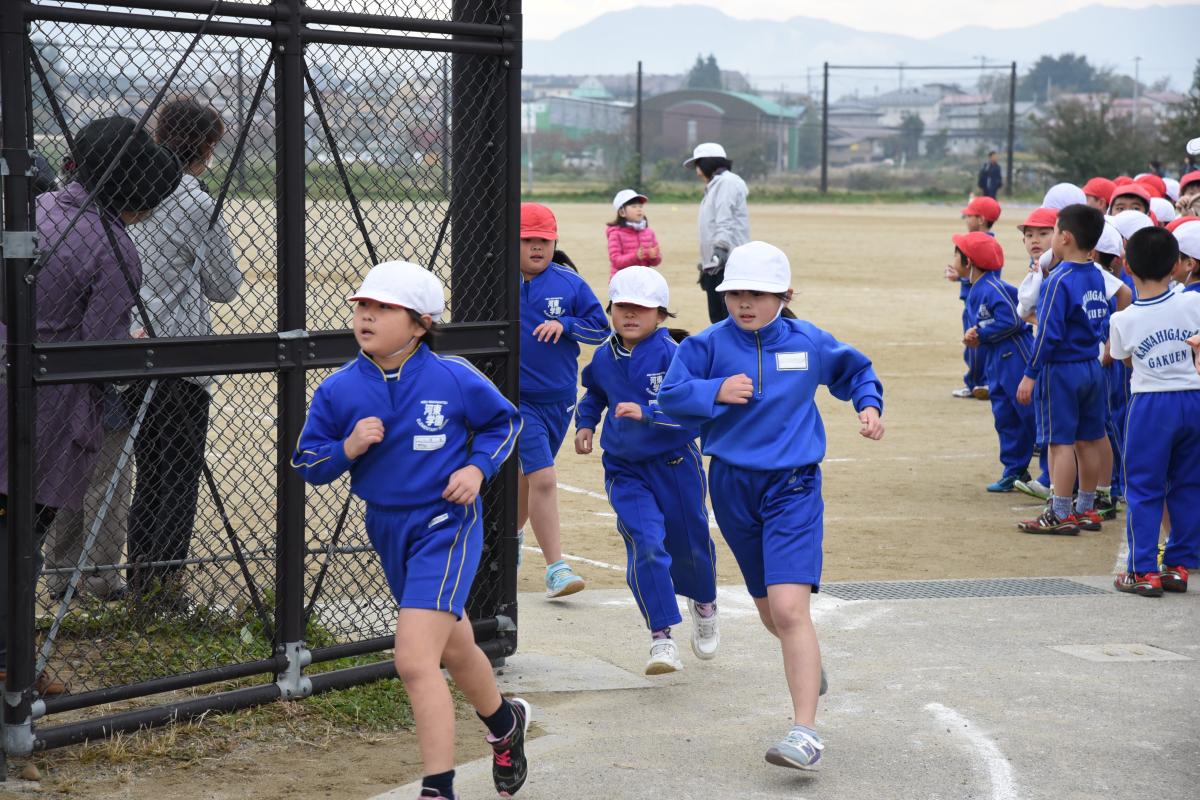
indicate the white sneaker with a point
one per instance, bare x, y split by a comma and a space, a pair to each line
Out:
962, 393
706, 636
664, 657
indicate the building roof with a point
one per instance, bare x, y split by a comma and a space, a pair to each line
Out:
591, 89
905, 97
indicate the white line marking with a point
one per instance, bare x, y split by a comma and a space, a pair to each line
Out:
933, 457
999, 771
580, 559
588, 492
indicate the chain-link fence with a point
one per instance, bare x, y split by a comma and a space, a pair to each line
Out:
191, 190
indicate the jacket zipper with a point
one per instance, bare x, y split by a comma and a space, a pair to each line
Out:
758, 344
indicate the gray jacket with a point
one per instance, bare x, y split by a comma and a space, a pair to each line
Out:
724, 219
185, 266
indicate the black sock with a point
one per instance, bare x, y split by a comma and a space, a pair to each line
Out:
501, 721
442, 783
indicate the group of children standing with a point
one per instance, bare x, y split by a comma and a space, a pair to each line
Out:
1091, 363
744, 386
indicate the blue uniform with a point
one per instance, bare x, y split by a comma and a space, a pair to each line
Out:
1116, 381
439, 414
1005, 344
765, 454
654, 477
549, 369
1071, 395
976, 374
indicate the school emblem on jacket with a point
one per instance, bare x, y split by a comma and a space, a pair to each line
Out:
554, 307
656, 379
433, 418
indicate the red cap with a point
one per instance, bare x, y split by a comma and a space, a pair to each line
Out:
984, 207
1190, 178
980, 249
1039, 218
1100, 187
1134, 189
1175, 223
1154, 185
1124, 180
538, 222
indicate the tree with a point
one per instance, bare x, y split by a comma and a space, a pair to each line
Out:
704, 74
1080, 141
1066, 73
935, 145
809, 141
1183, 122
907, 141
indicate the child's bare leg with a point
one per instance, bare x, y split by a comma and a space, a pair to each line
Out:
1091, 460
1062, 469
470, 668
788, 607
764, 614
522, 500
421, 638
542, 508
1105, 466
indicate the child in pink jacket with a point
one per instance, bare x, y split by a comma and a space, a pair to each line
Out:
630, 240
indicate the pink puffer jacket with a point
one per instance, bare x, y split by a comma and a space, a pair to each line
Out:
623, 244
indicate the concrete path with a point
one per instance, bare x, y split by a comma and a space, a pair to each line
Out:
1069, 698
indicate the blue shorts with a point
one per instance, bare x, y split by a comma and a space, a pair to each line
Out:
1072, 402
773, 521
545, 428
429, 554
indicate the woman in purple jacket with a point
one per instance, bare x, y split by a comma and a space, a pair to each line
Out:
85, 291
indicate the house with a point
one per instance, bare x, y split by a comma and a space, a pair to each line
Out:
677, 121
924, 102
856, 133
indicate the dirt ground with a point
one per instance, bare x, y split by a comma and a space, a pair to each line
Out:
912, 506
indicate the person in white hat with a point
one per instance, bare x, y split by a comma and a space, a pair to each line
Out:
630, 239
724, 220
652, 470
750, 383
398, 409
1188, 271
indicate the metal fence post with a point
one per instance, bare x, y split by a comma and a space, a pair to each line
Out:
638, 131
20, 573
291, 291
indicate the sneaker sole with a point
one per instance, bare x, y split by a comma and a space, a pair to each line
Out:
1090, 526
524, 738
574, 587
777, 758
1023, 489
1141, 592
1001, 490
1071, 531
662, 668
1174, 586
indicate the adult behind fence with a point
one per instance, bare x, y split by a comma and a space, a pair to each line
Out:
724, 221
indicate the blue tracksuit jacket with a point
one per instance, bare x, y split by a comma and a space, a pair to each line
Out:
1072, 316
439, 414
780, 428
617, 375
549, 371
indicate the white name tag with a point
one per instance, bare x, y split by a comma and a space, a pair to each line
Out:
438, 520
429, 442
791, 361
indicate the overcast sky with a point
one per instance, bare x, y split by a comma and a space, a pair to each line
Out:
545, 19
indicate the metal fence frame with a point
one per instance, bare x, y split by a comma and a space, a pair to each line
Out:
475, 44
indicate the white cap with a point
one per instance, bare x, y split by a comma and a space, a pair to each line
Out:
641, 286
627, 196
706, 150
1110, 240
757, 267
1130, 221
1162, 209
1172, 189
1193, 148
1188, 236
1062, 195
399, 283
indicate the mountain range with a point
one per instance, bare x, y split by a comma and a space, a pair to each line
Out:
790, 53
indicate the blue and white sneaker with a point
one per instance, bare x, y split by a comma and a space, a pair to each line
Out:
1009, 482
800, 749
561, 580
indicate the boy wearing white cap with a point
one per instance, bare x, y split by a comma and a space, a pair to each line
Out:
653, 471
399, 408
724, 220
1188, 269
630, 238
749, 382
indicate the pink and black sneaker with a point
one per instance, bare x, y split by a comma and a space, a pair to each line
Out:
509, 766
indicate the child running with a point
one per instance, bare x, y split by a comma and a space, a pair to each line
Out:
1162, 447
1005, 343
653, 471
400, 409
630, 239
558, 312
749, 382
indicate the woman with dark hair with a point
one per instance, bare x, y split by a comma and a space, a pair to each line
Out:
724, 221
85, 291
188, 265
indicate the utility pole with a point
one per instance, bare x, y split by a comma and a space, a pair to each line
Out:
1137, 88
825, 132
530, 121
638, 128
1012, 127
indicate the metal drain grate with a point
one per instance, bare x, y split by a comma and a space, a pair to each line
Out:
932, 590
